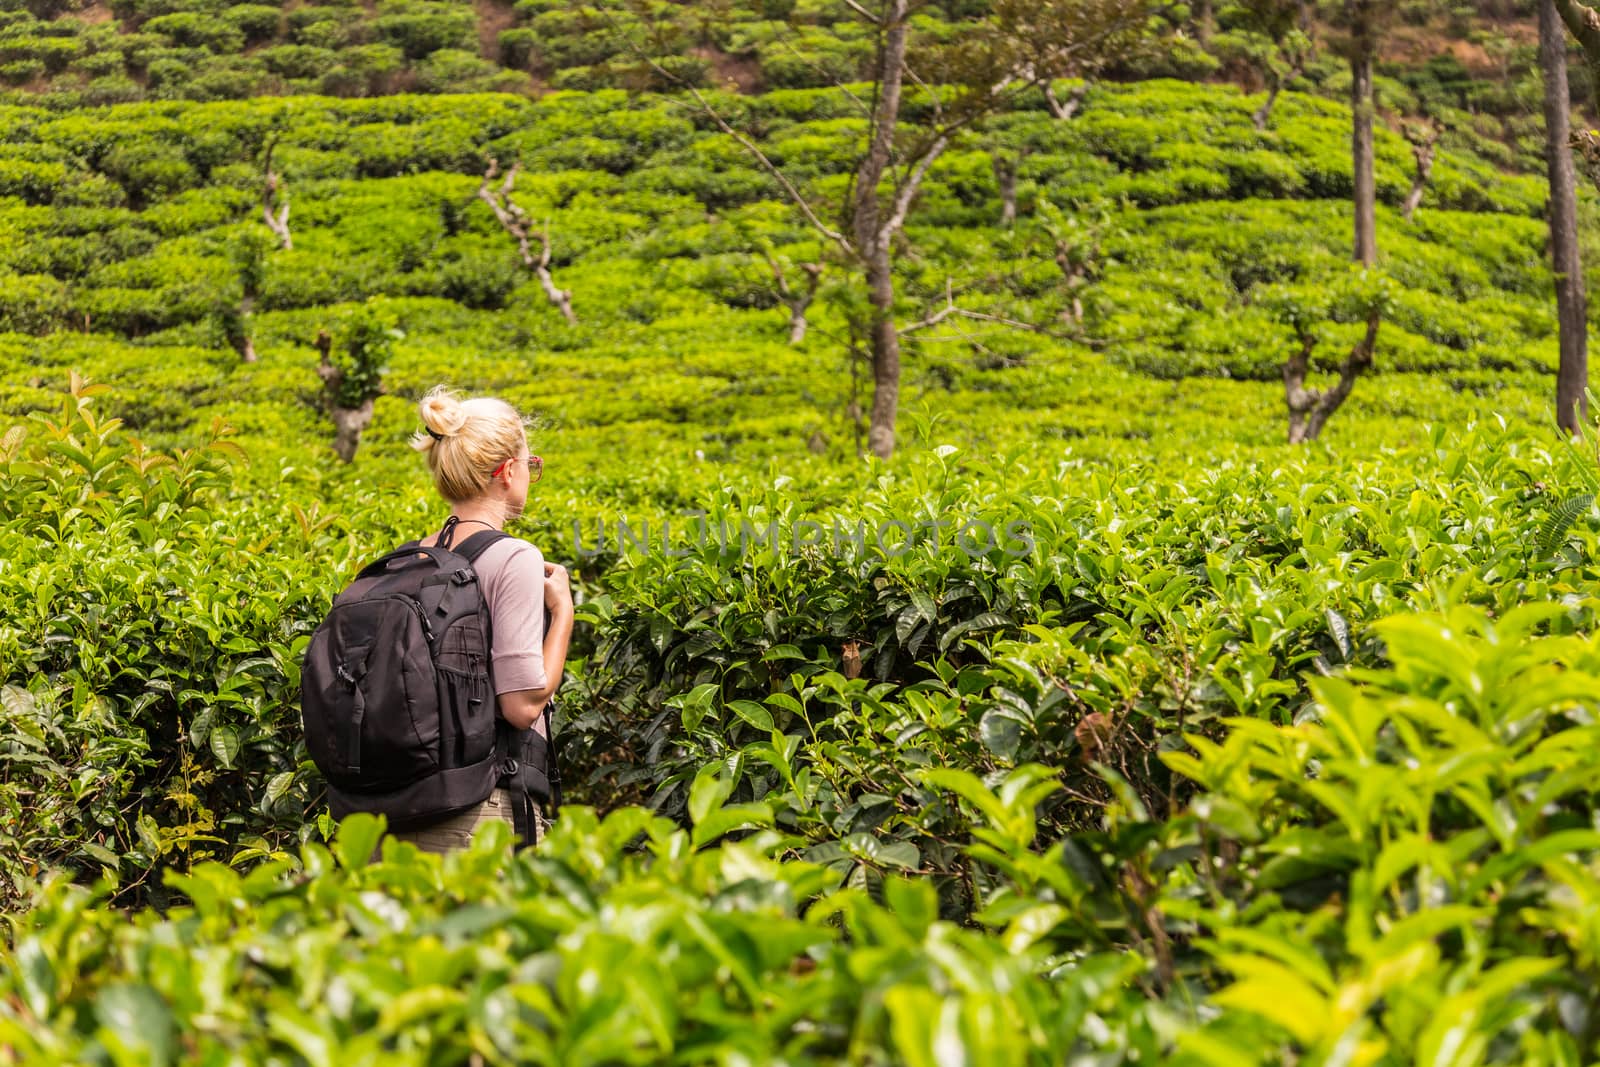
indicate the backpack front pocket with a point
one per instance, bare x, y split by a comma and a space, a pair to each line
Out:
468, 735
374, 698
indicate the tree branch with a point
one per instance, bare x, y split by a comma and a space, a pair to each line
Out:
771, 168
818, 69
1310, 409
1423, 146
908, 189
797, 303
1584, 22
866, 15
951, 309
514, 221
1065, 112
277, 221
750, 147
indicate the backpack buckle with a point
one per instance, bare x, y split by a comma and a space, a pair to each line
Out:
509, 766
344, 675
463, 577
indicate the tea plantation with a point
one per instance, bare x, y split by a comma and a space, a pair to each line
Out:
1098, 726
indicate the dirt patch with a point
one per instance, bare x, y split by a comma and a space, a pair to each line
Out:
1414, 45
741, 74
93, 15
493, 17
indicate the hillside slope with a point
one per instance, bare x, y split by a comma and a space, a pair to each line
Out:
121, 227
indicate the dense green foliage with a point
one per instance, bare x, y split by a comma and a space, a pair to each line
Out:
133, 233
1213, 753
70, 53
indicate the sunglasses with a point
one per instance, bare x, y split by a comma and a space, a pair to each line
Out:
535, 468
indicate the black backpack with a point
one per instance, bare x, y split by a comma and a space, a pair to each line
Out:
398, 701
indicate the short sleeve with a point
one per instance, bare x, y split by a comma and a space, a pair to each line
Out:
513, 586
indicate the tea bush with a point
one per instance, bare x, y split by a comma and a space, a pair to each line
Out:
1174, 297
1214, 754
1404, 866
587, 951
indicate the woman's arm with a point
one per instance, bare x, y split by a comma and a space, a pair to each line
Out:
522, 708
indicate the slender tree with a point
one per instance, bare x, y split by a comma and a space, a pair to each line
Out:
1205, 22
1310, 409
1016, 47
1362, 20
1572, 376
248, 253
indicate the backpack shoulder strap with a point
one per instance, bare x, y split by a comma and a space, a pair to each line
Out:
475, 546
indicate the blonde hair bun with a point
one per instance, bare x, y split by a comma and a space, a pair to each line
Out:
442, 412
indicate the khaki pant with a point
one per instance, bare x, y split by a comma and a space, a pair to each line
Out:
456, 832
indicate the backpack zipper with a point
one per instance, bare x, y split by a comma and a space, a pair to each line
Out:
416, 609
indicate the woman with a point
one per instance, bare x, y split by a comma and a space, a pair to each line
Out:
477, 450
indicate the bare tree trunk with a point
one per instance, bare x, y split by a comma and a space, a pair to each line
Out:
1423, 152
885, 356
239, 335
797, 303
1299, 399
874, 235
801, 303
1310, 409
348, 423
275, 201
1572, 377
348, 426
242, 337
1205, 23
1263, 113
1361, 103
1005, 175
1584, 22
516, 222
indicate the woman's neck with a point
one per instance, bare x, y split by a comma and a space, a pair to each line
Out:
488, 518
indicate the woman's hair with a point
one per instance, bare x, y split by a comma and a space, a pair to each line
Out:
468, 439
